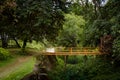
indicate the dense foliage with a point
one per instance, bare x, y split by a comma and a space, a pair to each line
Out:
102, 20
71, 35
30, 20
91, 69
102, 24
89, 23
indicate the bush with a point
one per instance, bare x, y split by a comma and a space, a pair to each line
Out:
23, 52
92, 69
72, 60
4, 54
116, 52
116, 46
113, 76
71, 72
75, 59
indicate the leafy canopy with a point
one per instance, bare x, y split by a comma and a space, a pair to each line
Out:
72, 31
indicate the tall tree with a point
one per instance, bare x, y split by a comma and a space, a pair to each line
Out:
105, 27
7, 19
38, 20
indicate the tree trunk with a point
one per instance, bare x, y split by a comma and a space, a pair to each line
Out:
18, 45
4, 40
24, 43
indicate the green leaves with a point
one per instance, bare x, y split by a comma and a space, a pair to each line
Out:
72, 30
4, 54
116, 46
96, 30
39, 19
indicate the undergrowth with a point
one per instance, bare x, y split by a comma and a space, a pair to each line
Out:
4, 54
92, 69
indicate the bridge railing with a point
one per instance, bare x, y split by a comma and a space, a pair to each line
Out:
76, 49
72, 51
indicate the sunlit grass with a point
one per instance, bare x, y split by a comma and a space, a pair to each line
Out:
19, 72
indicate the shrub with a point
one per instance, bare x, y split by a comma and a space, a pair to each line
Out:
116, 46
116, 52
4, 54
74, 59
71, 72
92, 69
23, 52
113, 76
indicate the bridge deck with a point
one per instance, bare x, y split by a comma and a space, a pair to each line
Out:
72, 51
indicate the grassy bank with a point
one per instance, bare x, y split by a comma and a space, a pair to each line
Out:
19, 70
7, 62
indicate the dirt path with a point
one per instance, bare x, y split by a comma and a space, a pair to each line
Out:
13, 66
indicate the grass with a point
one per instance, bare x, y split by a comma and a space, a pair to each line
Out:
17, 72
21, 70
7, 62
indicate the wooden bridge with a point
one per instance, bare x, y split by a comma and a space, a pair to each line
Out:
72, 51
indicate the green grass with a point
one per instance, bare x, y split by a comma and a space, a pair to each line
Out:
7, 62
20, 71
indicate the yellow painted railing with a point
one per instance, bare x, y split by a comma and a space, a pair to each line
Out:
72, 51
